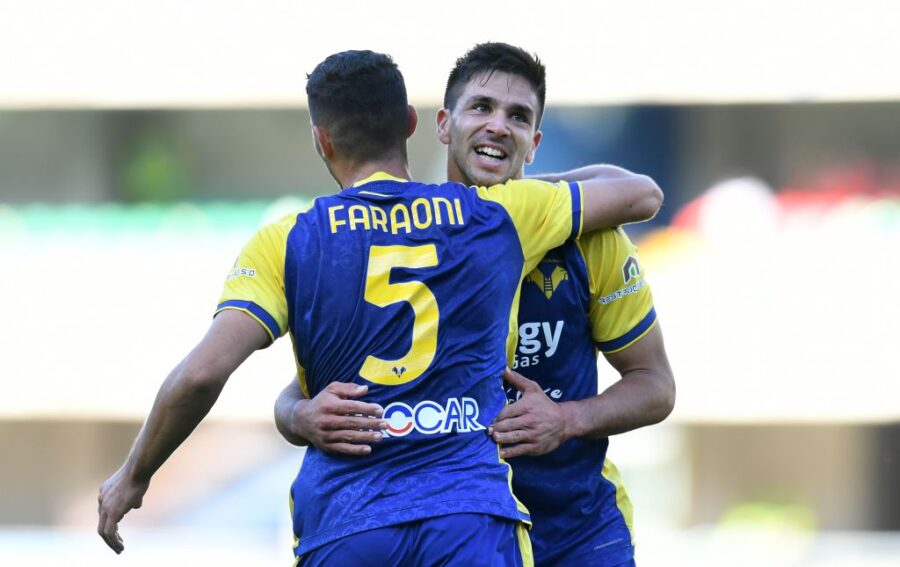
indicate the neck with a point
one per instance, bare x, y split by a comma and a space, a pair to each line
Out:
454, 174
348, 174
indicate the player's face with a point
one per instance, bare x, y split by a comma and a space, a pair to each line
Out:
491, 132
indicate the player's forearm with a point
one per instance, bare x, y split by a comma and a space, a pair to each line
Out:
615, 201
183, 401
640, 199
284, 414
597, 171
640, 398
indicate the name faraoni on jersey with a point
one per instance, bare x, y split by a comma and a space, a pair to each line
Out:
421, 214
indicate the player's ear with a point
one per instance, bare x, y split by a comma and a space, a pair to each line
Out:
443, 126
413, 118
323, 143
535, 142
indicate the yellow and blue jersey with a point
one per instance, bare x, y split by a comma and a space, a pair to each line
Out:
413, 290
584, 296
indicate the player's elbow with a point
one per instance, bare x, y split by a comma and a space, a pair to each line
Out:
650, 198
665, 397
200, 379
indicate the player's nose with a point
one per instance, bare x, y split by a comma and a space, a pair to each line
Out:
497, 125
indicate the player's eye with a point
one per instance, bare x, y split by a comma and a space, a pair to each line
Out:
519, 117
480, 107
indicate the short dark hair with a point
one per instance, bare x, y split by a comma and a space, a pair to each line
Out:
492, 57
360, 98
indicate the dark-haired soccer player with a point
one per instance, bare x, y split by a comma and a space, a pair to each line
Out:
410, 289
586, 295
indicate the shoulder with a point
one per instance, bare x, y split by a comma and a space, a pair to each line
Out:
276, 233
285, 223
517, 185
599, 243
533, 196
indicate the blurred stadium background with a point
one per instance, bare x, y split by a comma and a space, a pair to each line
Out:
142, 143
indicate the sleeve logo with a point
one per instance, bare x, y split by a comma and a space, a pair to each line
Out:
238, 272
630, 269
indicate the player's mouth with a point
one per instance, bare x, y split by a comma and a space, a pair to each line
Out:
490, 155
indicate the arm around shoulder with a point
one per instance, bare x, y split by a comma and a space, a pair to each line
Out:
613, 197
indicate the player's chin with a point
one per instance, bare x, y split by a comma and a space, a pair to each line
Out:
487, 177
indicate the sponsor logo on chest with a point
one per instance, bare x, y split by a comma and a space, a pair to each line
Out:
513, 394
537, 341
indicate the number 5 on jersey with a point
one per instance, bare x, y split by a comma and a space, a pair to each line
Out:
381, 292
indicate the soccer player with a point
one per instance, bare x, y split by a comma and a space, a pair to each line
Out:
408, 288
586, 295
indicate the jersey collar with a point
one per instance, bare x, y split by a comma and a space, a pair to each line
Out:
379, 176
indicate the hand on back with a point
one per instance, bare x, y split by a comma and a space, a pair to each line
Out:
335, 421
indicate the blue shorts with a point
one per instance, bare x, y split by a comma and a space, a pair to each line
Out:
620, 558
457, 539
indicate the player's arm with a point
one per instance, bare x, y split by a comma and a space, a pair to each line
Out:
625, 328
596, 171
184, 399
535, 424
547, 214
645, 395
613, 196
334, 420
289, 402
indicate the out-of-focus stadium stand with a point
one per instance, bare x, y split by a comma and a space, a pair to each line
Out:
228, 53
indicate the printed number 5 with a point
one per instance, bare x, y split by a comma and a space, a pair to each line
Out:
381, 292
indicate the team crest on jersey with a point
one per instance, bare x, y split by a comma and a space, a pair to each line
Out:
548, 283
630, 269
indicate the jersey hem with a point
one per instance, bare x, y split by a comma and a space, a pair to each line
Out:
402, 516
610, 555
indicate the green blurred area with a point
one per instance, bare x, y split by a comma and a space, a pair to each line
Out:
780, 514
154, 171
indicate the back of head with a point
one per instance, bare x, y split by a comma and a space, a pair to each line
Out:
492, 57
359, 97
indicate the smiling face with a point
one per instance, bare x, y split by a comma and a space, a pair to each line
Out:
491, 130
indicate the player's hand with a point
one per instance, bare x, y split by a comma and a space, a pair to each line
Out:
118, 495
532, 425
335, 422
